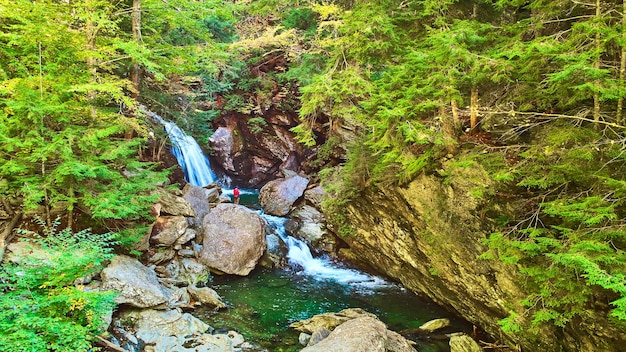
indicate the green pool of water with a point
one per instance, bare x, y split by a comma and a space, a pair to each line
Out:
263, 304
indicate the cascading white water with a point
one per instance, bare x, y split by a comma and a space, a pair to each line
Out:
187, 151
319, 268
198, 172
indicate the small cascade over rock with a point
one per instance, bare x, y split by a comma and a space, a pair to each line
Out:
299, 256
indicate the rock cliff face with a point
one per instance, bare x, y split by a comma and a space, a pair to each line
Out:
428, 235
253, 153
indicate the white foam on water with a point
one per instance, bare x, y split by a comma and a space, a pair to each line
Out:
300, 256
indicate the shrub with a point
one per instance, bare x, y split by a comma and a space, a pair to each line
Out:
40, 307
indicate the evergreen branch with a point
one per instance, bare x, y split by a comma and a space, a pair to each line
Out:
552, 115
567, 19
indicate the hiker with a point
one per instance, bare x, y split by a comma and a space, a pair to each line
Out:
236, 195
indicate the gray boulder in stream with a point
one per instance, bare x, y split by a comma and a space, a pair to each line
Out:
234, 239
138, 285
363, 334
278, 196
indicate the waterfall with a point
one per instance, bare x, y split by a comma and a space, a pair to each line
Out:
198, 172
188, 153
300, 256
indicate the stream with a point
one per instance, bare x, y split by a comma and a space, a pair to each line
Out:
264, 303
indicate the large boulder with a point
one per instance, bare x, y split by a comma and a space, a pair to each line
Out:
206, 296
172, 204
138, 285
311, 227
172, 330
234, 239
329, 321
167, 229
278, 196
460, 342
364, 334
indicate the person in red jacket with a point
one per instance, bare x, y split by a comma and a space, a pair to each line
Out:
236, 195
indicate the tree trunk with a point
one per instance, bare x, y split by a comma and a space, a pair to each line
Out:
449, 129
596, 93
5, 237
474, 108
135, 73
622, 69
90, 34
455, 113
70, 208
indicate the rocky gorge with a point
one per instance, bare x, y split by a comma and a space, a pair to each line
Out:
429, 235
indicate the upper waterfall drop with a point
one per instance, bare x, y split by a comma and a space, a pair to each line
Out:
188, 153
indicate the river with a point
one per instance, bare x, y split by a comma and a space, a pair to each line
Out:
264, 303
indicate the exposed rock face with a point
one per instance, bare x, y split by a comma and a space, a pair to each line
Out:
225, 146
253, 153
234, 239
364, 334
278, 196
428, 235
138, 285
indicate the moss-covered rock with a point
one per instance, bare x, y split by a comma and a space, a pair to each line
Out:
430, 236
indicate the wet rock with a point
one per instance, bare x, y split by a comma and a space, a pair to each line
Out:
234, 239
435, 324
276, 254
363, 334
463, 343
138, 285
206, 296
312, 228
329, 320
167, 229
314, 196
278, 196
317, 336
304, 338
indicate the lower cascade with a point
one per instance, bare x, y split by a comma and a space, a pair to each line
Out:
300, 257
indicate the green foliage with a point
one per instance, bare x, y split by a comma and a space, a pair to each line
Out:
571, 245
301, 18
40, 307
256, 124
61, 132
